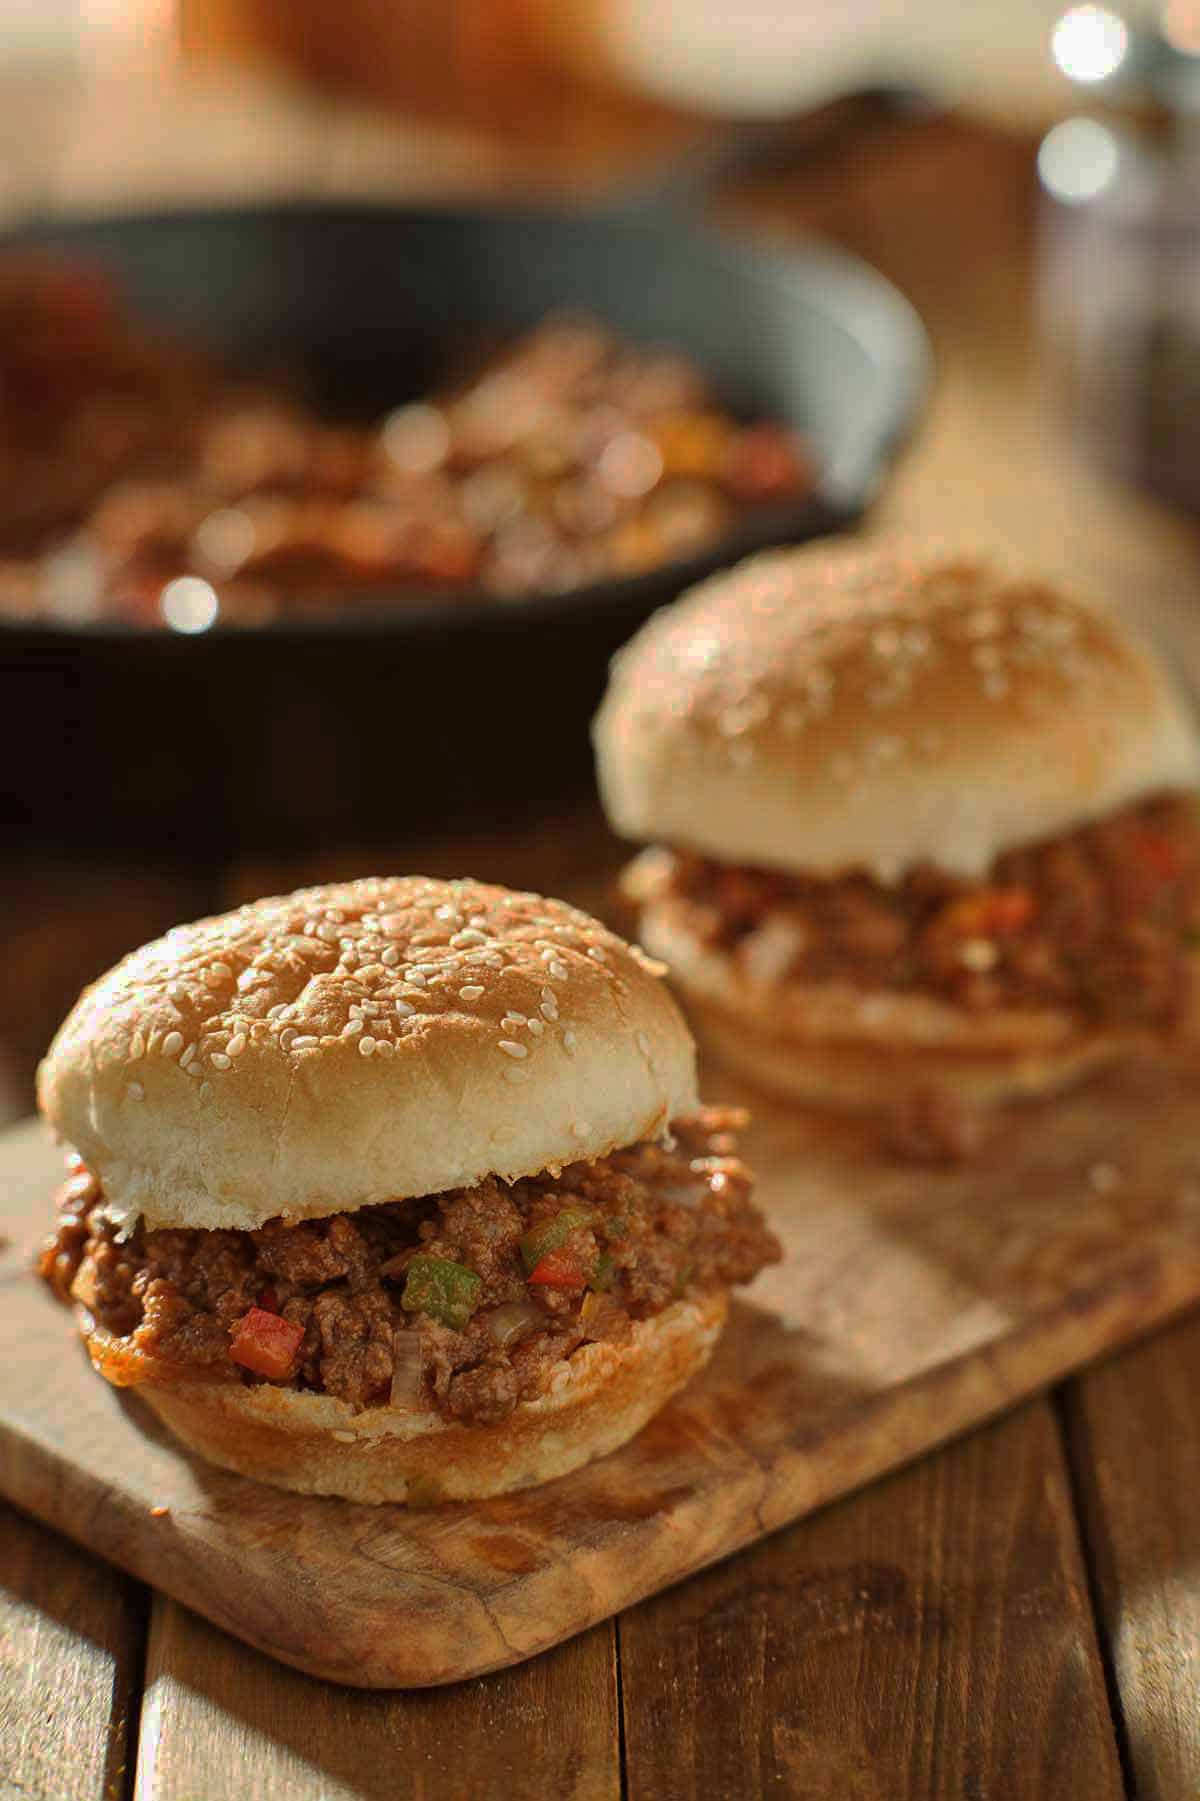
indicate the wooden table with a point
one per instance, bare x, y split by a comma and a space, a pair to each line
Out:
1018, 1615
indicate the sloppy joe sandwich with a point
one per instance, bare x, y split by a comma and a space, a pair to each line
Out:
397, 1189
922, 828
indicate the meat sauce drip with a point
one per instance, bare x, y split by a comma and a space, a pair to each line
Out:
610, 1242
1099, 922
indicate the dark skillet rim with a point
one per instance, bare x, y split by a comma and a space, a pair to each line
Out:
869, 308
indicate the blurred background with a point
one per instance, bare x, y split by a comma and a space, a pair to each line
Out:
599, 80
317, 529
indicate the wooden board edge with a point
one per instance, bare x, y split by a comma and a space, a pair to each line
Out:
713, 1522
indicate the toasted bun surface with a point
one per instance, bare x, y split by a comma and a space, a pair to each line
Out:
835, 1045
363, 1042
845, 707
319, 1445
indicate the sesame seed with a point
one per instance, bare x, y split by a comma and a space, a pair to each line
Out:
549, 1007
278, 1012
513, 1019
390, 957
494, 962
305, 1043
413, 977
469, 936
327, 932
287, 1038
370, 1008
178, 993
446, 913
195, 1069
223, 971
137, 1046
136, 1092
477, 919
186, 1055
595, 951
512, 1049
471, 992
220, 1060
536, 1027
558, 972
569, 1042
404, 1010
352, 1028
384, 1048
366, 1045
237, 1044
172, 1044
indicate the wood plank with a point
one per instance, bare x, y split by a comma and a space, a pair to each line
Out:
1133, 1431
930, 1638
907, 1309
71, 1638
220, 1719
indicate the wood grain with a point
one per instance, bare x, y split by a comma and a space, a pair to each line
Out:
908, 1308
1134, 1436
71, 1635
220, 1719
927, 1640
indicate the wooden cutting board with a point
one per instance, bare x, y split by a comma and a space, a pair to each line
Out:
913, 1303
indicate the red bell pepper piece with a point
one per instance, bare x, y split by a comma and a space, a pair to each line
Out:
991, 913
558, 1269
1158, 855
266, 1343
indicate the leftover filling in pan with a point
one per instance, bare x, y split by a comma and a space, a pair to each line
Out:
147, 482
460, 1301
1099, 922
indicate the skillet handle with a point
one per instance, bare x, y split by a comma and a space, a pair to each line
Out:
769, 146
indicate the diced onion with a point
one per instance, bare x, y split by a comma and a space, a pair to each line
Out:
682, 1194
599, 1315
511, 1321
83, 1288
407, 1370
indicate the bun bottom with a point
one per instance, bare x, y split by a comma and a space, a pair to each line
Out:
835, 1046
859, 1077
318, 1445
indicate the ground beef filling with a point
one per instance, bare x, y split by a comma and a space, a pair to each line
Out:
463, 1301
1099, 921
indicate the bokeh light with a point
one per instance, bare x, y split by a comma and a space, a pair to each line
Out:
1090, 43
1078, 160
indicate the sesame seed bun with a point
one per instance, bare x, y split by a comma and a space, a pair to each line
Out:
317, 1444
363, 1042
845, 707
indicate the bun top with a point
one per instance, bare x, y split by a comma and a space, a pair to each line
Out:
362, 1042
846, 707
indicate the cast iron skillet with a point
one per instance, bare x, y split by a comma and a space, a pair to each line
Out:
381, 717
